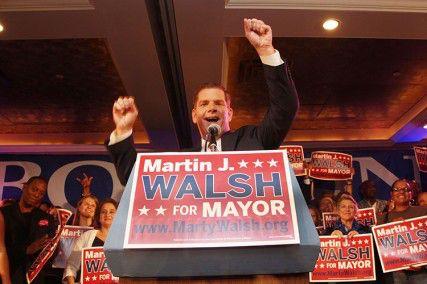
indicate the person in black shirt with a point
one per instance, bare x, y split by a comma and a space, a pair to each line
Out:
27, 229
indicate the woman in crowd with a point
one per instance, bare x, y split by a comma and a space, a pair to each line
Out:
85, 214
347, 224
327, 204
4, 262
92, 238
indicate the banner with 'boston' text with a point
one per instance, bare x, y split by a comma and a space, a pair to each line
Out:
211, 200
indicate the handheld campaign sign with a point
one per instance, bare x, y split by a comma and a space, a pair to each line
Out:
94, 267
196, 196
211, 200
330, 166
402, 244
345, 259
296, 158
421, 157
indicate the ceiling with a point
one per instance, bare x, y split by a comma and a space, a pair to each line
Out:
63, 63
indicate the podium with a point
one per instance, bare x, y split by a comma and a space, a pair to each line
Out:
213, 261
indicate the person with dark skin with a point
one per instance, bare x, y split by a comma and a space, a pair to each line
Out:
4, 261
27, 229
369, 193
402, 210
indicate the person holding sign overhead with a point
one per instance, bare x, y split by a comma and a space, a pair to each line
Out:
212, 112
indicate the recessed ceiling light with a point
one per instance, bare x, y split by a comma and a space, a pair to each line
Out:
425, 126
1, 28
330, 24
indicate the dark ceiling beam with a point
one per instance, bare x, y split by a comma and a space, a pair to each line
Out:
162, 20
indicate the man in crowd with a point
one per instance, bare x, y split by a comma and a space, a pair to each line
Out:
369, 193
27, 229
212, 106
401, 197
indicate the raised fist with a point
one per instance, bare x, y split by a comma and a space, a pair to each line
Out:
125, 113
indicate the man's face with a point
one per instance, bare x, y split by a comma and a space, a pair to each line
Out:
211, 107
422, 199
369, 192
33, 193
401, 193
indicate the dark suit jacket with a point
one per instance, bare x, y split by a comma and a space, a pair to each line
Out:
269, 134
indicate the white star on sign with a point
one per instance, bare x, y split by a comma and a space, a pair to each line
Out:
353, 243
366, 241
94, 278
243, 164
160, 210
360, 242
87, 278
370, 213
272, 163
420, 224
258, 163
143, 211
385, 254
322, 265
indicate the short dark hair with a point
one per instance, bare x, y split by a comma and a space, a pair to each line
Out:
398, 180
211, 86
33, 178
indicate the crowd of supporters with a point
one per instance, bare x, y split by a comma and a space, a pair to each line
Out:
406, 202
27, 225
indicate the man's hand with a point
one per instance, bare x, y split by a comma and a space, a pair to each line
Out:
259, 35
125, 113
37, 245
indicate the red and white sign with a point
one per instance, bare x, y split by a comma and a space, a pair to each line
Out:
344, 259
329, 219
330, 166
366, 216
211, 200
66, 243
402, 244
94, 267
49, 249
296, 158
421, 157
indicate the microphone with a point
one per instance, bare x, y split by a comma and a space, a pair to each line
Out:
213, 131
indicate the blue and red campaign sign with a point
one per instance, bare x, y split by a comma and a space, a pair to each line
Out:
330, 166
366, 216
329, 219
402, 244
94, 267
211, 200
296, 158
344, 259
421, 157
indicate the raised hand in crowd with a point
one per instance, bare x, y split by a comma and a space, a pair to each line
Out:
259, 35
86, 182
125, 113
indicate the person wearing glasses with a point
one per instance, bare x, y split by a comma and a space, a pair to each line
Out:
401, 197
347, 224
402, 209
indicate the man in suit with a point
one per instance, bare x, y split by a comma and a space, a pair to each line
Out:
212, 106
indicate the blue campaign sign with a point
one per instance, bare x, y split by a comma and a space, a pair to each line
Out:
62, 172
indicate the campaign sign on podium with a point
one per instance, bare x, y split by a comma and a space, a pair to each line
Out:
223, 199
252, 187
